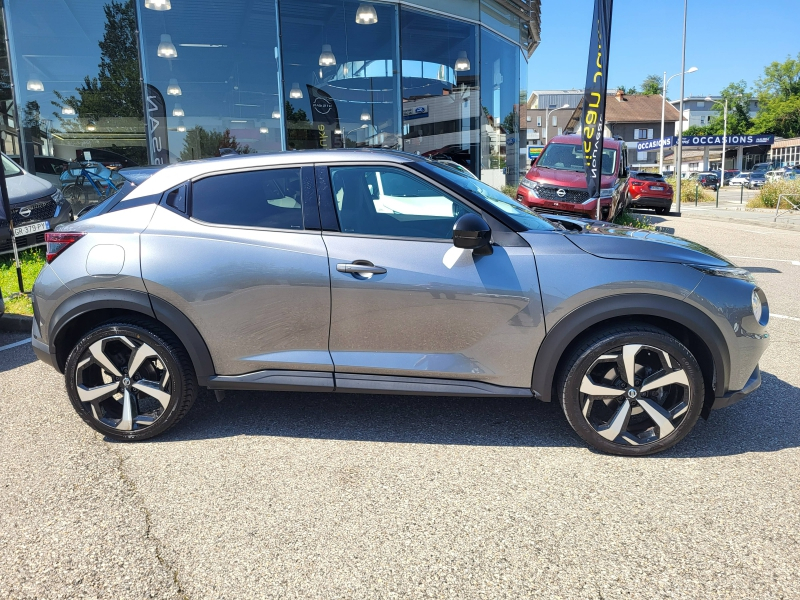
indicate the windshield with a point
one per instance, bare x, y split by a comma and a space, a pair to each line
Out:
10, 167
568, 157
524, 216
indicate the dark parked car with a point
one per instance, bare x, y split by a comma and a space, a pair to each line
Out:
385, 273
708, 180
36, 207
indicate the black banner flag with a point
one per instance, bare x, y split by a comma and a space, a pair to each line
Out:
5, 207
324, 115
157, 126
594, 96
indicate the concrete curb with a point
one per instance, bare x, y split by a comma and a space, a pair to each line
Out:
10, 322
756, 222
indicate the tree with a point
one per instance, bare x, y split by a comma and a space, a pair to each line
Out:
779, 98
631, 91
31, 119
201, 143
651, 85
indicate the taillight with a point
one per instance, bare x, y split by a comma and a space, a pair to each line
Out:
58, 242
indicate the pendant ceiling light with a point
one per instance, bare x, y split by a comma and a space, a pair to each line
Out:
462, 62
157, 4
177, 111
173, 89
67, 110
181, 127
296, 92
263, 129
366, 15
365, 115
90, 126
326, 58
276, 112
338, 131
35, 85
166, 49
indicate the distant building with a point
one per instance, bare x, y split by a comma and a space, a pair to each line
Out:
634, 119
785, 153
697, 110
544, 117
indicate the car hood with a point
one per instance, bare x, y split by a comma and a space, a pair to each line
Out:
606, 240
26, 187
571, 179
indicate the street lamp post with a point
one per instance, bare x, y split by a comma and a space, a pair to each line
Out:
724, 139
663, 107
679, 153
547, 118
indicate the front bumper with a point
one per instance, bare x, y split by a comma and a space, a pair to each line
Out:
733, 397
586, 209
36, 239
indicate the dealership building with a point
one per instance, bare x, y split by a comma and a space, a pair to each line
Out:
161, 81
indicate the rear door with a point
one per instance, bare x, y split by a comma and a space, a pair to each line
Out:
241, 255
405, 301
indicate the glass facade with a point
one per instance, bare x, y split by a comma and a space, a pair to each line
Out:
134, 82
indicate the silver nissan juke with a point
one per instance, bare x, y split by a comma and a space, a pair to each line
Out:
382, 272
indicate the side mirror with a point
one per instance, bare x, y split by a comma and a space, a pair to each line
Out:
471, 232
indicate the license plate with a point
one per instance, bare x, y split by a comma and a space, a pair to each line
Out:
657, 188
31, 228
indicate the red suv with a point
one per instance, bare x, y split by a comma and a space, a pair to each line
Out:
556, 183
649, 190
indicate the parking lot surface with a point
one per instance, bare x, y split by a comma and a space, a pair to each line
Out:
328, 496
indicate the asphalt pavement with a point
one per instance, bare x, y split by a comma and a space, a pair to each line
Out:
344, 496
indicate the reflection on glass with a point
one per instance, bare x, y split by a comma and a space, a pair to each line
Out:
224, 70
349, 89
500, 98
9, 134
441, 96
83, 97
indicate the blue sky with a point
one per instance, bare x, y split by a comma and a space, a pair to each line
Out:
727, 40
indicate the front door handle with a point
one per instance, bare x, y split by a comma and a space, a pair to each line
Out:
360, 267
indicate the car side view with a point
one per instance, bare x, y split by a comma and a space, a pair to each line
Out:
383, 272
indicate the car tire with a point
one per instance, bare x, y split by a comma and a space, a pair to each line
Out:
130, 379
662, 210
639, 419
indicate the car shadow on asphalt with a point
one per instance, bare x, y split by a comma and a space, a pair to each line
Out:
767, 421
16, 357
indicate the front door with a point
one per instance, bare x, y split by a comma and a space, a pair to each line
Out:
406, 302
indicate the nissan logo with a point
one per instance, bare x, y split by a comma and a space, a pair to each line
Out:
25, 212
561, 193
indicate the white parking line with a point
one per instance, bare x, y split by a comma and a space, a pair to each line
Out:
15, 344
794, 262
771, 315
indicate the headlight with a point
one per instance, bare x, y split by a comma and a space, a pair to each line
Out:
730, 272
58, 197
531, 185
758, 307
607, 193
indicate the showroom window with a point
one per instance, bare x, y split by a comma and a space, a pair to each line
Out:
341, 74
499, 111
441, 99
76, 69
211, 80
269, 198
390, 202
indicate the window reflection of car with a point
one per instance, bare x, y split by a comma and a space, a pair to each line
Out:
393, 193
454, 165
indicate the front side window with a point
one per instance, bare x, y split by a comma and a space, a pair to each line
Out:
269, 198
391, 202
9, 167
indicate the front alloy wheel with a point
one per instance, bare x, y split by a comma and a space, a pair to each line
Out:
130, 382
633, 391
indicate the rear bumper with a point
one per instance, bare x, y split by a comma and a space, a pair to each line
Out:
733, 397
651, 202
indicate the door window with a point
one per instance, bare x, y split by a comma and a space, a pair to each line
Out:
392, 202
269, 198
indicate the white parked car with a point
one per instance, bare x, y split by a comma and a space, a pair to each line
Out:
740, 179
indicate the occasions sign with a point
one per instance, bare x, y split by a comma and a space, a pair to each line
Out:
656, 144
731, 140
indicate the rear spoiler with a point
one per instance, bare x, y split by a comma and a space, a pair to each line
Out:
137, 175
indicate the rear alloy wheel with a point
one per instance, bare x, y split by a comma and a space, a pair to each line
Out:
632, 391
130, 380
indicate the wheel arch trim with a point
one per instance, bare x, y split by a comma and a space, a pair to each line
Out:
89, 301
574, 324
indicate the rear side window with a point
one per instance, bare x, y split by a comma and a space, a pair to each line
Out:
269, 198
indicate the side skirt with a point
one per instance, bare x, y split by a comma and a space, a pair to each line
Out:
313, 381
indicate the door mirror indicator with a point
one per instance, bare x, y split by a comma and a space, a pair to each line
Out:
471, 232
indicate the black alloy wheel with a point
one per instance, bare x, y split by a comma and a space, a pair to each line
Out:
631, 390
130, 380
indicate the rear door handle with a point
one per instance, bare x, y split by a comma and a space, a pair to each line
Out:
360, 268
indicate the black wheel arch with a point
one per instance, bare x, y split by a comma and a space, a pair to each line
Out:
688, 324
84, 310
